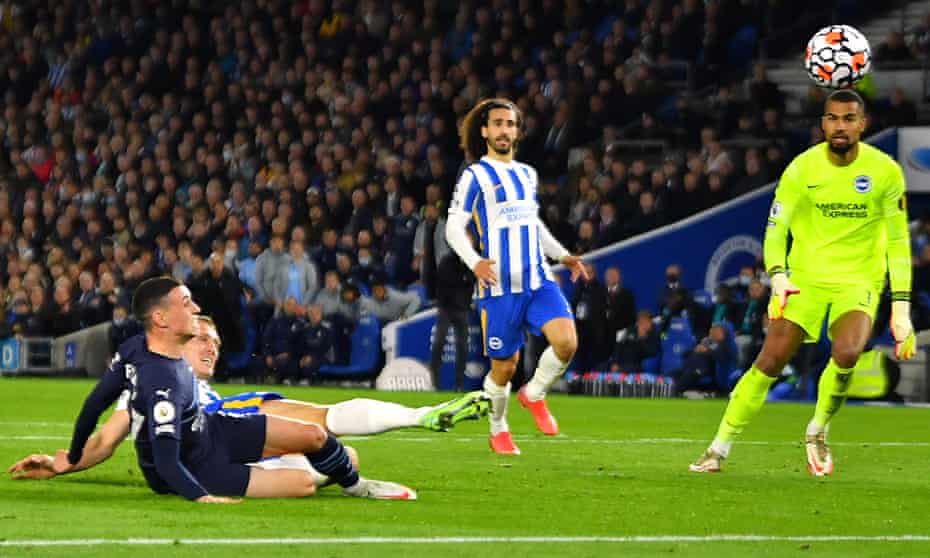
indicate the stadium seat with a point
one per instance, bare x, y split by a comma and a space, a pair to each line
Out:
703, 297
366, 351
676, 342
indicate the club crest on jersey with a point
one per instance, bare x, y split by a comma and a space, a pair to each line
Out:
863, 184
164, 412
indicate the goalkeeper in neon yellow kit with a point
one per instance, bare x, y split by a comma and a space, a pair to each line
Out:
843, 202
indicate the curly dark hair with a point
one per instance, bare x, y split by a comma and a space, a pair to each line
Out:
470, 138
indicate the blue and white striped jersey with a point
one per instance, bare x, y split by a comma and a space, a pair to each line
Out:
502, 200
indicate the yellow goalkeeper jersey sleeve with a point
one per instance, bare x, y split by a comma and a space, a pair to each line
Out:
848, 224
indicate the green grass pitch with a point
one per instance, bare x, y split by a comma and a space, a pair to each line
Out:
614, 483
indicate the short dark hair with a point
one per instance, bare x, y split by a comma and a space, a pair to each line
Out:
149, 294
844, 96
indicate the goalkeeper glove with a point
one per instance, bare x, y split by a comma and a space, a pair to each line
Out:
905, 342
782, 288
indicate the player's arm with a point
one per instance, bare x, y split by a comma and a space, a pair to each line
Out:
775, 246
98, 449
464, 201
554, 250
103, 395
164, 429
894, 211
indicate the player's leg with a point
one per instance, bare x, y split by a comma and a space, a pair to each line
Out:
497, 387
280, 483
549, 314
850, 331
328, 456
363, 417
299, 462
782, 341
502, 335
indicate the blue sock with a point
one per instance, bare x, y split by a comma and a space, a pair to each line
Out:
333, 461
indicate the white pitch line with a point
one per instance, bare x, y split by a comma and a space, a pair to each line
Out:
633, 539
32, 423
560, 440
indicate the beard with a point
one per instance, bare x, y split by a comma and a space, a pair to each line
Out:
492, 146
841, 149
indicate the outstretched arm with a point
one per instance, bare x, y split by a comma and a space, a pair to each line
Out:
98, 449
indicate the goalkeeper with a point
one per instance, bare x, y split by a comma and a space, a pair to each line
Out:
843, 203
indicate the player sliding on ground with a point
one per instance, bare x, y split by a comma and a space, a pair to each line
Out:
356, 416
843, 203
496, 197
203, 457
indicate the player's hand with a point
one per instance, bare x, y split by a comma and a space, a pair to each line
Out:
211, 499
576, 266
61, 464
37, 466
484, 272
905, 342
782, 288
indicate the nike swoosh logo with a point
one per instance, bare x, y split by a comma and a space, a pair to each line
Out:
813, 186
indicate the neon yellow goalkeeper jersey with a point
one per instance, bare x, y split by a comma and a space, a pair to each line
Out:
848, 224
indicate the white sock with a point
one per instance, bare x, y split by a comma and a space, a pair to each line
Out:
722, 448
500, 396
368, 416
813, 428
548, 370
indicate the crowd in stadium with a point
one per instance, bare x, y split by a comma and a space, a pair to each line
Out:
290, 160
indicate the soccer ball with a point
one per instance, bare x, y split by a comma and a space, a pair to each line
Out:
838, 56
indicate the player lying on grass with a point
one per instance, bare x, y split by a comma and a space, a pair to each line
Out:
356, 416
200, 456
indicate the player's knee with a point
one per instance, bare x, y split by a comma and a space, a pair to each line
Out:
845, 355
305, 488
315, 437
770, 365
565, 346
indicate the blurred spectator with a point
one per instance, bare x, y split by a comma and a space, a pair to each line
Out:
122, 327
399, 261
247, 265
271, 274
279, 341
62, 316
709, 363
219, 292
635, 343
387, 303
302, 278
329, 298
749, 326
621, 306
454, 287
725, 307
315, 345
893, 49
589, 304
901, 111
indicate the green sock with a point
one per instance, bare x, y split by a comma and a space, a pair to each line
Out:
831, 394
745, 401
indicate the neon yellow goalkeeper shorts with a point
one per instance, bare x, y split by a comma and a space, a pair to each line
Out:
809, 307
